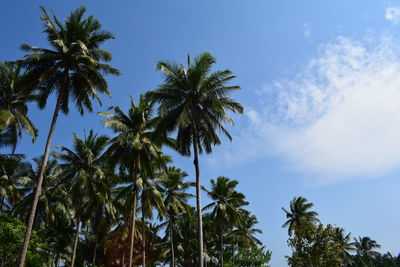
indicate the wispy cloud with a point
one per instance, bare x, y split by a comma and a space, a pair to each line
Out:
393, 14
307, 30
338, 118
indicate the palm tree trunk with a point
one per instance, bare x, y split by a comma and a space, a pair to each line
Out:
57, 260
133, 223
38, 189
171, 233
1, 204
95, 247
123, 258
221, 252
143, 240
78, 230
198, 197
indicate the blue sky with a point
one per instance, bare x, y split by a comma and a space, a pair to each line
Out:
321, 87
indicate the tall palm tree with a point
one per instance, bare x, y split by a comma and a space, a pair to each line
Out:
14, 96
299, 212
72, 69
194, 102
82, 167
175, 201
226, 207
136, 148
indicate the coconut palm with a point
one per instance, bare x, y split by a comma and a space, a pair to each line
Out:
245, 233
185, 238
344, 241
365, 246
150, 198
136, 148
72, 69
226, 207
14, 96
11, 167
194, 102
105, 213
51, 202
175, 201
299, 212
87, 183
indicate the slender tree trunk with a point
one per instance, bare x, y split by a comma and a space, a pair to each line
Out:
133, 223
233, 253
198, 197
221, 252
171, 233
78, 230
1, 204
123, 258
95, 247
53, 261
143, 240
57, 260
38, 189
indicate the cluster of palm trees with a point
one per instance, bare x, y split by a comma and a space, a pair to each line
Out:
352, 253
84, 199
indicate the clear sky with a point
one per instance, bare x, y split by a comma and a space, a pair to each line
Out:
321, 88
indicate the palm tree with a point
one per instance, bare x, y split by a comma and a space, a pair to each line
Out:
175, 201
365, 246
14, 97
150, 198
194, 103
85, 177
225, 207
245, 233
185, 239
72, 69
105, 213
11, 167
299, 212
136, 148
54, 198
344, 241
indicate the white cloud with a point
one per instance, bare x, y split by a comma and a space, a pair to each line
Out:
338, 119
393, 14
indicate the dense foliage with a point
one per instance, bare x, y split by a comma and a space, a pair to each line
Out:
314, 244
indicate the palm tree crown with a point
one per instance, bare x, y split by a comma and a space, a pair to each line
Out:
226, 202
299, 212
365, 246
194, 100
73, 68
14, 96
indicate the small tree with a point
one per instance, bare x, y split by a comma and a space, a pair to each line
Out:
315, 245
11, 237
253, 256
